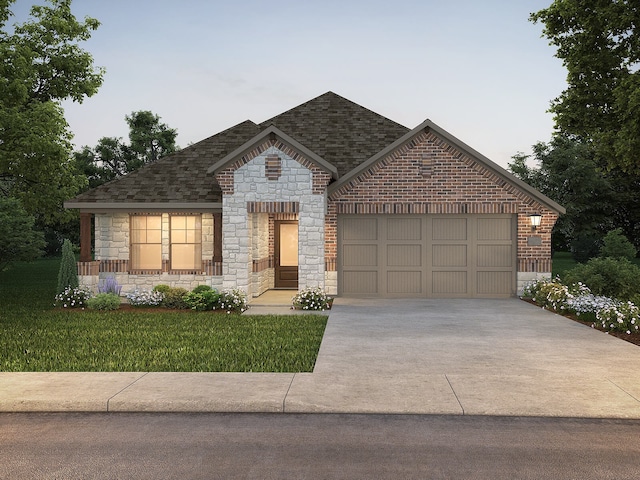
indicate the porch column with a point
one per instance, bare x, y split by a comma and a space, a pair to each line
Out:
85, 237
217, 237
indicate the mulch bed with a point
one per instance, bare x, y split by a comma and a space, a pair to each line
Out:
631, 338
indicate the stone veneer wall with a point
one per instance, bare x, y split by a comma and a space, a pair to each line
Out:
429, 176
262, 276
112, 244
301, 184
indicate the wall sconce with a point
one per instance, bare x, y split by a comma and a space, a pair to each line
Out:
535, 218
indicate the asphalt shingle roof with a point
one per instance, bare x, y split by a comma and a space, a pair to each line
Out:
343, 133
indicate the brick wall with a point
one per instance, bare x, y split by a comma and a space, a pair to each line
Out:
429, 176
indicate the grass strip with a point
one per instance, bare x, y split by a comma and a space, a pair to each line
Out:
36, 337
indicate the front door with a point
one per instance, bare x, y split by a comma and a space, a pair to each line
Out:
286, 254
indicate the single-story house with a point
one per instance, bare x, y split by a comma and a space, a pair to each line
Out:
326, 194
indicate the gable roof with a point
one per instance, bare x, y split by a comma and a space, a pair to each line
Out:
275, 133
428, 125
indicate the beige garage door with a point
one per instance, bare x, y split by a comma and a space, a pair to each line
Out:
427, 255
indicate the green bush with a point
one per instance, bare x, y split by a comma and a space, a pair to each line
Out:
202, 299
616, 245
104, 301
202, 288
68, 273
164, 289
311, 299
611, 277
233, 301
174, 298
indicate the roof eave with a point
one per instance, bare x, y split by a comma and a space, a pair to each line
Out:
100, 207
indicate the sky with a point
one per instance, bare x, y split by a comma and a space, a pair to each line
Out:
478, 69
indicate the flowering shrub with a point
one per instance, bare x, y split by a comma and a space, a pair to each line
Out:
233, 300
550, 294
145, 298
73, 297
109, 285
312, 299
623, 317
589, 303
609, 313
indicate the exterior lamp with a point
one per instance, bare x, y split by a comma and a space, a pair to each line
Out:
535, 218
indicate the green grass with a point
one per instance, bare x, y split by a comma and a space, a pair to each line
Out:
36, 337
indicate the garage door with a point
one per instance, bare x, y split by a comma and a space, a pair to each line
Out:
427, 255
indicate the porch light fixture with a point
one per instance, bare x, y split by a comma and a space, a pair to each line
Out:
535, 218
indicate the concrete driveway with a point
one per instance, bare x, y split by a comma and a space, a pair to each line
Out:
469, 356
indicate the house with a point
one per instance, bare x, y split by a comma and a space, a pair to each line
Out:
326, 194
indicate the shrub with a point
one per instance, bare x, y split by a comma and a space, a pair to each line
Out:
232, 301
68, 273
616, 245
73, 297
164, 289
145, 298
104, 301
202, 299
109, 285
174, 298
611, 277
311, 299
622, 317
202, 288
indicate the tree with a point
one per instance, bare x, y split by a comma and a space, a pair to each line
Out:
616, 245
567, 173
68, 272
599, 44
19, 241
41, 65
149, 140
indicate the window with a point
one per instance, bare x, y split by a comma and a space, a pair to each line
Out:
186, 242
146, 242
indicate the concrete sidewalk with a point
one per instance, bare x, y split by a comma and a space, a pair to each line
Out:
461, 357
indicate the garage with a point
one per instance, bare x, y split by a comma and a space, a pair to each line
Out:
446, 256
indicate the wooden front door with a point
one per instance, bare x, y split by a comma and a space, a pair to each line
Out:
286, 254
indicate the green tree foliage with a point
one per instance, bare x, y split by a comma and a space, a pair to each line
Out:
567, 173
616, 245
19, 241
599, 44
149, 140
41, 65
68, 273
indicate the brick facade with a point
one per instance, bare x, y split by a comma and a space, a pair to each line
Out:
429, 176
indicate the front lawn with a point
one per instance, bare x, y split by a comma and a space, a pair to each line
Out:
36, 337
